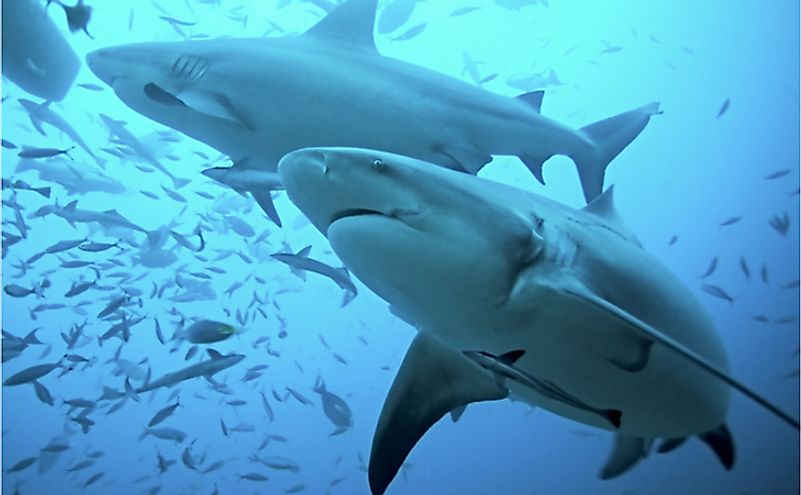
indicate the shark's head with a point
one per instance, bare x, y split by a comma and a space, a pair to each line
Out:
152, 77
136, 65
408, 227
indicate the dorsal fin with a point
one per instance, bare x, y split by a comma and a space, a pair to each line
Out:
511, 357
533, 99
304, 253
214, 354
603, 207
352, 22
71, 205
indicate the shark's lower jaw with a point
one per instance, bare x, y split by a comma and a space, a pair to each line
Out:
394, 214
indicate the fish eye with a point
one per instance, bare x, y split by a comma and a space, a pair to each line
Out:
378, 164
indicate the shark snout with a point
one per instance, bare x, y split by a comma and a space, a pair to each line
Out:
100, 62
302, 166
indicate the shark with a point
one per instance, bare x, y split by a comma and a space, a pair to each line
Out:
41, 113
474, 264
123, 135
36, 56
74, 215
256, 100
217, 362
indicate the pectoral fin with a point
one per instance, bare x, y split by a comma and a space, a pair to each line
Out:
432, 381
214, 105
644, 329
265, 200
465, 160
626, 453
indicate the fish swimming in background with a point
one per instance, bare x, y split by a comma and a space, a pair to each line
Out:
713, 264
723, 108
334, 407
78, 15
302, 261
729, 221
30, 152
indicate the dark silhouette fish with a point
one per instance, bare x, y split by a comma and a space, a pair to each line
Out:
744, 268
777, 174
334, 407
28, 152
730, 221
716, 291
712, 267
78, 15
723, 108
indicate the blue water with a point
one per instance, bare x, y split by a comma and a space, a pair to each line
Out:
685, 174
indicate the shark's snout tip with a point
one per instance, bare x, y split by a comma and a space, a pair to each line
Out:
306, 162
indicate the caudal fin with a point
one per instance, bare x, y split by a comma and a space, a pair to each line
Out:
610, 136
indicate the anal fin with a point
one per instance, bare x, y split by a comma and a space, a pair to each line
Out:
432, 381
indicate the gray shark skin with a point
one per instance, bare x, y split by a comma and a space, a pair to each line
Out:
475, 264
258, 99
36, 57
208, 368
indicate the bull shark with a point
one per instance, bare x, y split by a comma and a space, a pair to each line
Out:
208, 368
126, 137
107, 220
41, 113
257, 99
474, 264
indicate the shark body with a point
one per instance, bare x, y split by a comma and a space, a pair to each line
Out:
258, 99
477, 265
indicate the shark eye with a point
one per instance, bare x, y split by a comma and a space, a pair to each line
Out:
378, 164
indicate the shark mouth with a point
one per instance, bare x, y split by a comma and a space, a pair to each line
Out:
395, 214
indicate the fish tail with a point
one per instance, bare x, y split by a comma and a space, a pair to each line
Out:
610, 137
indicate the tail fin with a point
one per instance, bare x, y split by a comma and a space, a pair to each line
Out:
610, 137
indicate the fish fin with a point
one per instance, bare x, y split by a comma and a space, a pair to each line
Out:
533, 99
670, 444
352, 22
265, 200
469, 161
647, 331
432, 380
603, 207
456, 412
722, 444
71, 205
626, 453
534, 164
179, 183
160, 95
37, 124
511, 357
214, 105
214, 354
610, 136
304, 253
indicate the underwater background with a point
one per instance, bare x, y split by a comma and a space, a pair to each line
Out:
727, 77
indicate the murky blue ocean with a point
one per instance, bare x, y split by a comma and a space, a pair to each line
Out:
123, 260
